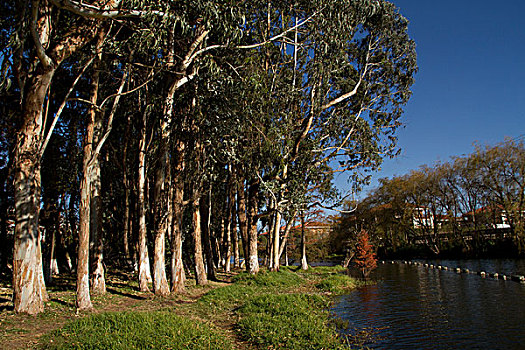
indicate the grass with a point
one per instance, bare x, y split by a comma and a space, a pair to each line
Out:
136, 330
288, 321
283, 279
286, 309
337, 284
270, 310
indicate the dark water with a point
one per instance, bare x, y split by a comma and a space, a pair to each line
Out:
413, 307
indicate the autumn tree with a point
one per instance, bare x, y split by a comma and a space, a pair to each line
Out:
365, 258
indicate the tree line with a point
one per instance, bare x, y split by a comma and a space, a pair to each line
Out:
465, 205
138, 131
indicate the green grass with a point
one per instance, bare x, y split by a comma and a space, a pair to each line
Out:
337, 284
136, 330
284, 278
246, 285
271, 310
288, 321
325, 270
226, 298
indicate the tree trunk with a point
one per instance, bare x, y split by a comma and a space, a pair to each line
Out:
228, 226
98, 281
276, 240
50, 222
268, 258
206, 234
127, 222
235, 237
253, 262
28, 290
288, 228
304, 262
52, 231
177, 266
160, 282
221, 246
243, 222
286, 262
144, 266
83, 297
5, 248
200, 271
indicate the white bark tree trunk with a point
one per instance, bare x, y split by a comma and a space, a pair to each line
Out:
253, 262
144, 266
28, 288
160, 281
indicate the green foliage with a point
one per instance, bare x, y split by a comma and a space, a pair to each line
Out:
136, 330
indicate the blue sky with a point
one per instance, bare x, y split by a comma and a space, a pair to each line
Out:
471, 81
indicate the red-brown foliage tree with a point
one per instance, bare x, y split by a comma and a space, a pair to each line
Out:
365, 258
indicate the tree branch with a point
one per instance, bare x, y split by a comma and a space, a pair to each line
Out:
120, 93
346, 96
91, 11
110, 118
62, 105
46, 61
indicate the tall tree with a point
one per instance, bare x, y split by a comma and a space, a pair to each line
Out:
43, 41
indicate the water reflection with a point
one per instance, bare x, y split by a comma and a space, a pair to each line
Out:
413, 307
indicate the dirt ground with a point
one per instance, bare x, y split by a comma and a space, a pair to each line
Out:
18, 331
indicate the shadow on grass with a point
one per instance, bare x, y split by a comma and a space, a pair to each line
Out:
6, 308
219, 280
62, 302
124, 294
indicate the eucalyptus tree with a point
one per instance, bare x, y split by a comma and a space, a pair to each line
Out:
42, 39
340, 82
43, 35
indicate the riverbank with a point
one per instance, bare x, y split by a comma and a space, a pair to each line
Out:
285, 310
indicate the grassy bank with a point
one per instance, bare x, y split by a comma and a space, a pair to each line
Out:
279, 310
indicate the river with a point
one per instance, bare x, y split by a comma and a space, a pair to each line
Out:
416, 307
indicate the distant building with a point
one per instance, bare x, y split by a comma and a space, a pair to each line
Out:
492, 215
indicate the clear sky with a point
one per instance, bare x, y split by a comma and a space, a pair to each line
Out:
471, 81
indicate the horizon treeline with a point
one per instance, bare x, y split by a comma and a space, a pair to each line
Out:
469, 206
160, 135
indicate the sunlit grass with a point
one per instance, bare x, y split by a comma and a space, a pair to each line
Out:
288, 321
136, 330
270, 310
